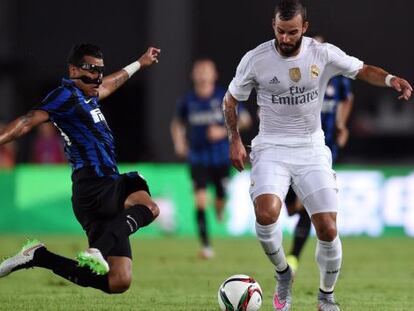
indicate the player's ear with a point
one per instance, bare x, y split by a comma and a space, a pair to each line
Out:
71, 70
305, 27
274, 23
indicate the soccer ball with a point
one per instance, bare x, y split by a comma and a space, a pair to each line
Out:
240, 293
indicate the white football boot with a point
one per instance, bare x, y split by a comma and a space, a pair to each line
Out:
22, 259
93, 259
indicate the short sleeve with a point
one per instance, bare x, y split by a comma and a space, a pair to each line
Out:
244, 81
342, 64
56, 102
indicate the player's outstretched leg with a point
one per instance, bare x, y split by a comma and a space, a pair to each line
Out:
34, 254
23, 259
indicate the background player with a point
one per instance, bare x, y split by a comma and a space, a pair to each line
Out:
290, 74
207, 147
336, 109
110, 206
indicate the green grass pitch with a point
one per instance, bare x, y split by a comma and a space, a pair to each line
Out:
377, 274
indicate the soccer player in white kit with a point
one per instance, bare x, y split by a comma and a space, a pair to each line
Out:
290, 74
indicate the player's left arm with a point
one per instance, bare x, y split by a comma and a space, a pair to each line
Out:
112, 82
342, 116
379, 77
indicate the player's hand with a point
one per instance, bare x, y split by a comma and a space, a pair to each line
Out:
342, 135
216, 133
149, 57
403, 87
238, 154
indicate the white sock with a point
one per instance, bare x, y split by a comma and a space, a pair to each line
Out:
329, 258
270, 236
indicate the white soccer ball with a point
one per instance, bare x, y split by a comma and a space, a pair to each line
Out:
240, 293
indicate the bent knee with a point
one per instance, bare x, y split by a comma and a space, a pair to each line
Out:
267, 209
120, 284
266, 216
155, 210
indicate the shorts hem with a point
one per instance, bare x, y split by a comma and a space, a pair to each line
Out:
323, 211
267, 190
316, 190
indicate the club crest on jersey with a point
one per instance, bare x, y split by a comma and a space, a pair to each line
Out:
314, 71
97, 115
295, 74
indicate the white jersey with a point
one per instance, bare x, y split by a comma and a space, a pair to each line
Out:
290, 90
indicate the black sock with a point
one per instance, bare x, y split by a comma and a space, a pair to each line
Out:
301, 233
68, 269
126, 223
202, 227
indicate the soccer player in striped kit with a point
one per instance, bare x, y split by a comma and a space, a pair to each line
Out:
110, 206
290, 74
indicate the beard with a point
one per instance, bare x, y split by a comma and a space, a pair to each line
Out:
289, 49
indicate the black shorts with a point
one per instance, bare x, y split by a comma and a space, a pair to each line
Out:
98, 200
217, 175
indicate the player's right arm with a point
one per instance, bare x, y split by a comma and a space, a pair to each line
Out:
239, 90
23, 125
178, 134
238, 153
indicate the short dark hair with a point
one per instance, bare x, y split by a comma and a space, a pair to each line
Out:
288, 9
79, 51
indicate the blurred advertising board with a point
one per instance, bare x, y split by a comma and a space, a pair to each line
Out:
373, 201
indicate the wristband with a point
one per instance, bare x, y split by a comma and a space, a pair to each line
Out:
132, 68
388, 80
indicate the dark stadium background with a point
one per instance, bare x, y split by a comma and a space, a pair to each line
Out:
35, 37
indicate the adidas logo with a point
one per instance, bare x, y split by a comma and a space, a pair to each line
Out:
275, 80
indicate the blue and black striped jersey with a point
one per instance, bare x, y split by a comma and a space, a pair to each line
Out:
88, 138
338, 89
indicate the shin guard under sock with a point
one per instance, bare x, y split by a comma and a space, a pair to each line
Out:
126, 223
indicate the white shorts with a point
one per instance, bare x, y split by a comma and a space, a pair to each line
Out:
307, 169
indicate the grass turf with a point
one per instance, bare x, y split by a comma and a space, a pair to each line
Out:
377, 274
